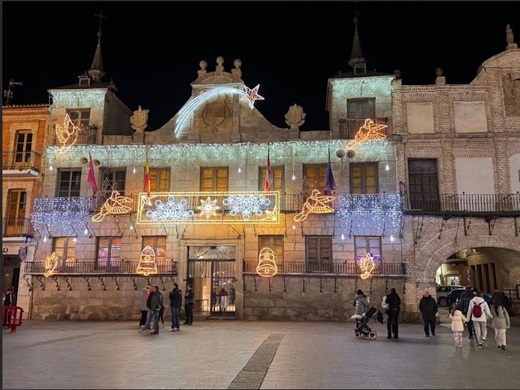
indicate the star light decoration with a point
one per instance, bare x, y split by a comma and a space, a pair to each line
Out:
315, 204
208, 207
251, 95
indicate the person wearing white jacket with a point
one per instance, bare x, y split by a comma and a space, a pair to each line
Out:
479, 323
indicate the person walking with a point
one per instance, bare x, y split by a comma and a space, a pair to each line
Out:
479, 316
464, 300
501, 323
457, 325
144, 309
10, 298
175, 307
156, 300
149, 312
428, 308
393, 309
189, 302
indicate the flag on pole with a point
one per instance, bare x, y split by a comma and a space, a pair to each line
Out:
330, 183
91, 178
147, 175
268, 183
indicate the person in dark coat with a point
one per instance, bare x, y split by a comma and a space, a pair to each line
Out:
156, 301
189, 303
464, 300
175, 307
10, 298
394, 307
428, 309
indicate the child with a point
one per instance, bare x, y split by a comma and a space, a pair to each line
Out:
457, 325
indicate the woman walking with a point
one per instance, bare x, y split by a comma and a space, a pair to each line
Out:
501, 323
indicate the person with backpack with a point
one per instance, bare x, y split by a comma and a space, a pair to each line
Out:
479, 312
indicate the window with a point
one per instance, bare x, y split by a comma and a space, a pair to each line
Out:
423, 184
316, 175
278, 179
113, 179
16, 205
159, 179
363, 178
275, 243
214, 179
80, 117
65, 249
69, 183
318, 254
109, 252
367, 244
361, 108
23, 146
158, 244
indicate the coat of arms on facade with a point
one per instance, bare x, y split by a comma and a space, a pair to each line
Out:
295, 117
139, 120
217, 112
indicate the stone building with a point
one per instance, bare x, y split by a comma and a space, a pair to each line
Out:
269, 222
23, 141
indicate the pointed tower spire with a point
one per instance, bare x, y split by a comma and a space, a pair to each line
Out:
96, 71
357, 61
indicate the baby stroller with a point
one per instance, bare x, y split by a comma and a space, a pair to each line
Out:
362, 328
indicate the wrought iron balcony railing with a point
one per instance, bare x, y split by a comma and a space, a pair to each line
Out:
85, 136
465, 204
21, 161
17, 227
349, 127
120, 267
344, 268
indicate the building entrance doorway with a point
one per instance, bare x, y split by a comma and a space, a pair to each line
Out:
211, 270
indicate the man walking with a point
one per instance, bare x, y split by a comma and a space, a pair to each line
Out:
464, 300
394, 307
156, 301
189, 303
175, 307
428, 309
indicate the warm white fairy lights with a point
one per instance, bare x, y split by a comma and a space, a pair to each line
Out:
209, 207
115, 204
251, 95
78, 98
50, 264
367, 265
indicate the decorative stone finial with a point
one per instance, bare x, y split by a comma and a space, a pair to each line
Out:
220, 67
438, 72
440, 80
203, 65
397, 74
139, 120
236, 71
510, 38
295, 117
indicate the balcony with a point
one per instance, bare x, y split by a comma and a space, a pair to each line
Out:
84, 136
79, 268
17, 227
349, 127
500, 205
21, 164
331, 269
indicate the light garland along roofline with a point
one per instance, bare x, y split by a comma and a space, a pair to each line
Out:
125, 155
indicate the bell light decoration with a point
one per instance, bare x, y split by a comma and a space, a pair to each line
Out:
147, 265
266, 263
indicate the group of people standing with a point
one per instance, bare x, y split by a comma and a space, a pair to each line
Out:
466, 313
152, 308
462, 315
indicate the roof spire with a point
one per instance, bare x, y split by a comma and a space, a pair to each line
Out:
356, 55
96, 71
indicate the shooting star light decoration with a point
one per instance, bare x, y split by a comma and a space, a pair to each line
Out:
248, 94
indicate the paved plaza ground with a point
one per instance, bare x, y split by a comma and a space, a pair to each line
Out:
231, 354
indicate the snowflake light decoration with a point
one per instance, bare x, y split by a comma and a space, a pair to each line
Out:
169, 210
247, 205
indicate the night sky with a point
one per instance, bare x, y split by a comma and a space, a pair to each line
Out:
152, 50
